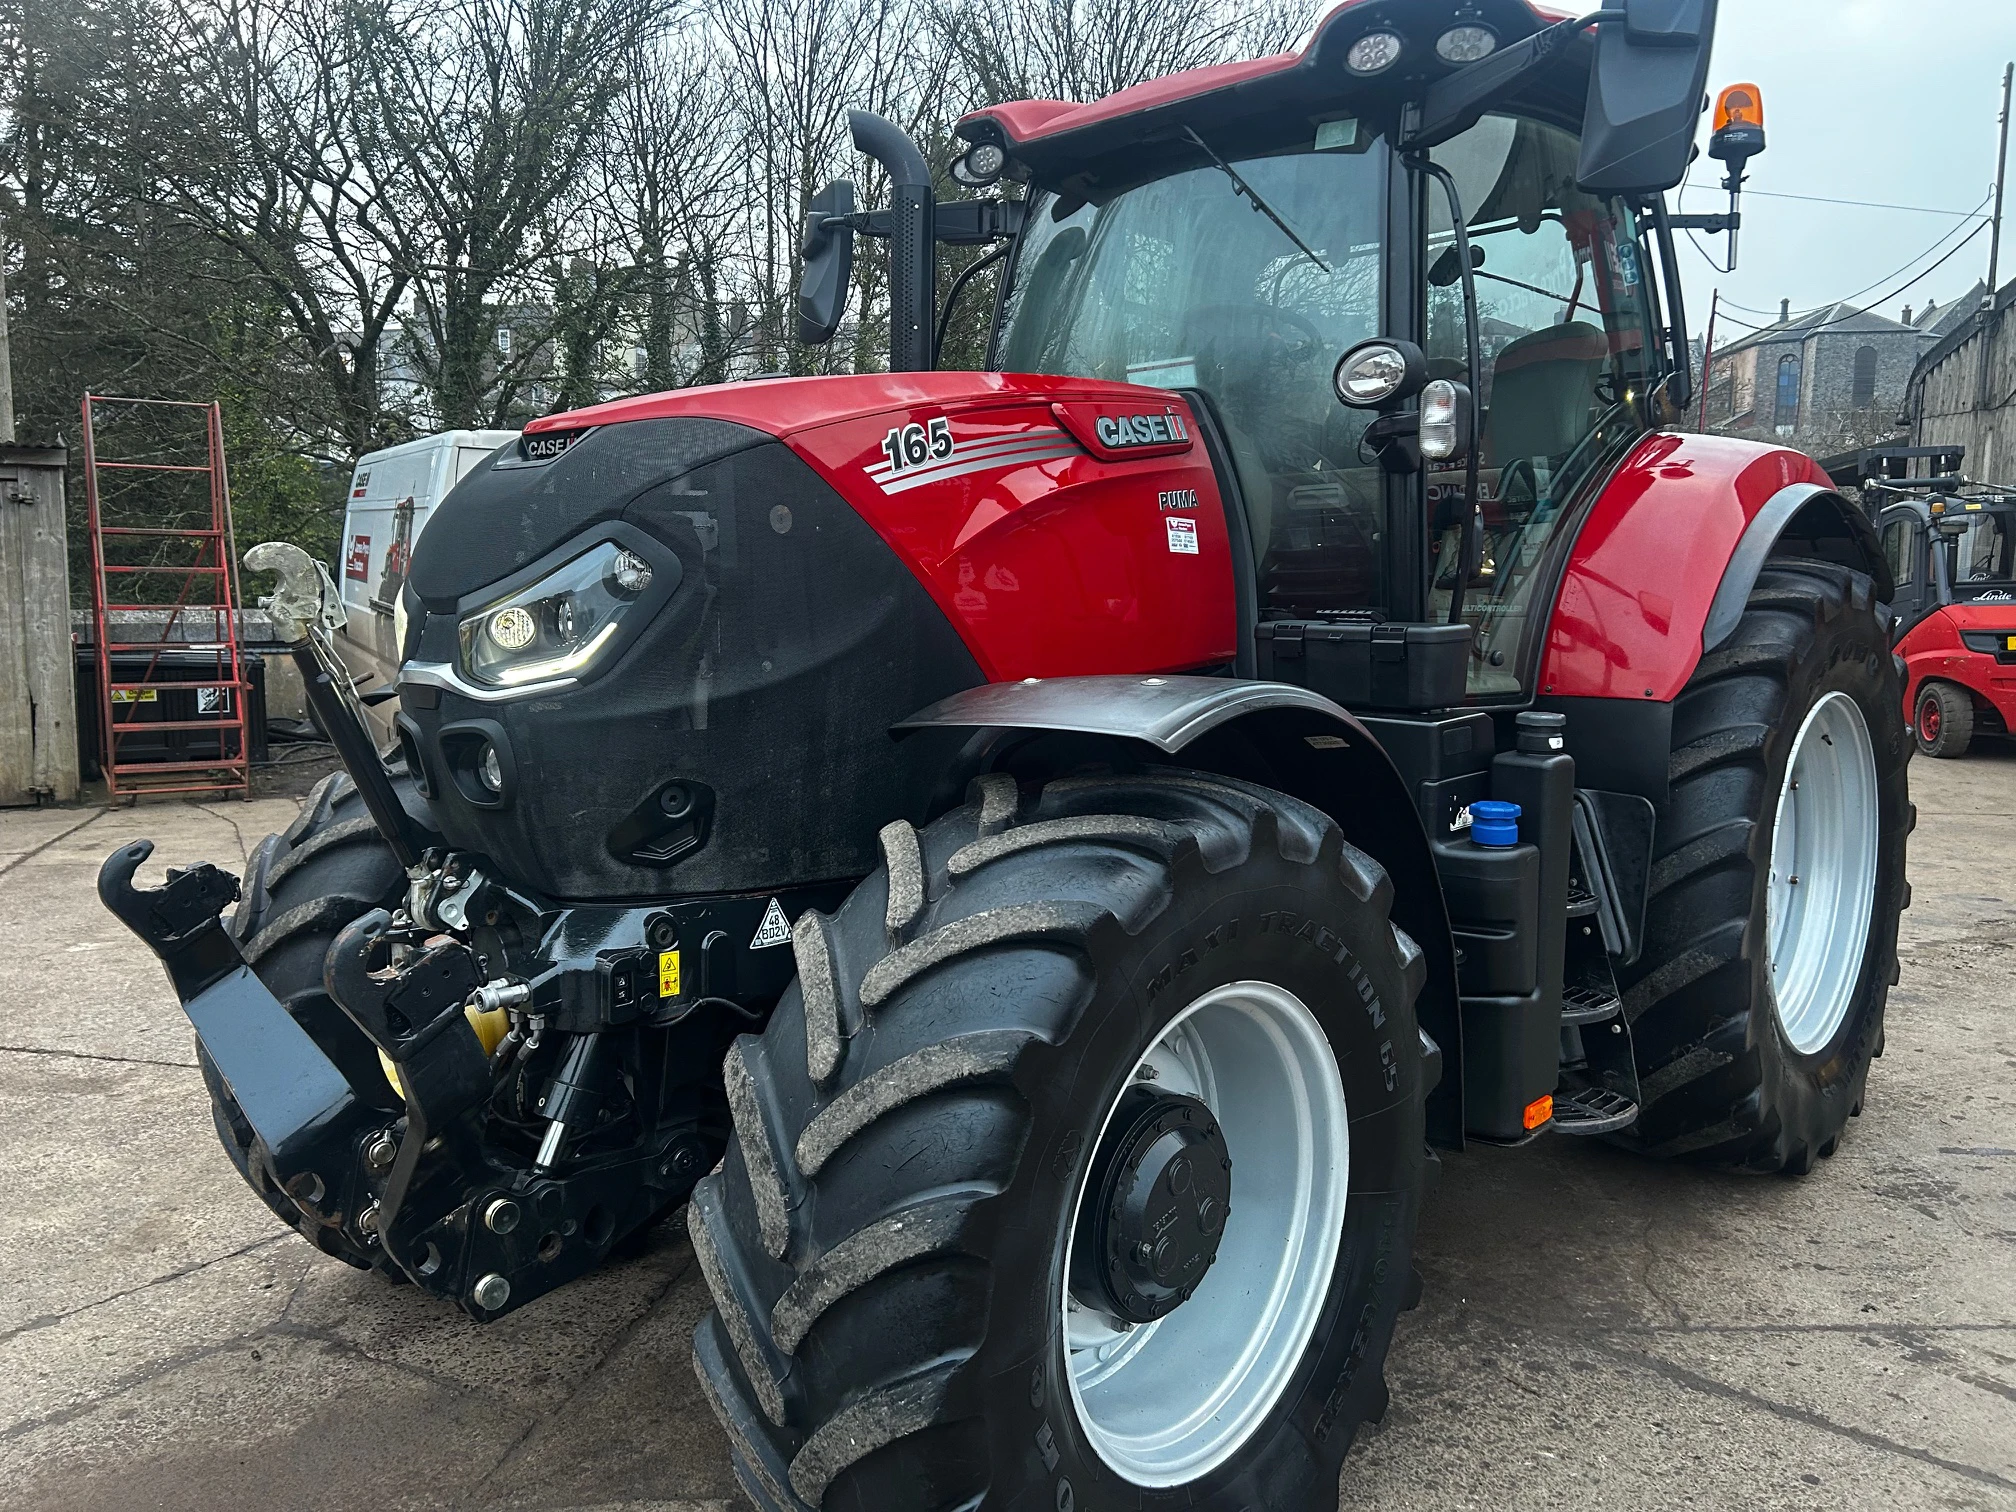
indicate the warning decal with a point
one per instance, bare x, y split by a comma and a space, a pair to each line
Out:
775, 928
1182, 535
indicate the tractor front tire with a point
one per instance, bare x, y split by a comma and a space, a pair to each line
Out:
300, 888
1944, 722
1771, 933
954, 1148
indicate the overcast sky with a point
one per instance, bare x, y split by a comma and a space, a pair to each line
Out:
1888, 100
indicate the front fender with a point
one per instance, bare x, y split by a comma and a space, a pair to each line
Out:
1287, 738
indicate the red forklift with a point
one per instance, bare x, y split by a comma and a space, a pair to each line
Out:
1042, 863
1950, 546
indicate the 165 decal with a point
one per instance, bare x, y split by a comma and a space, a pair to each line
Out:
913, 445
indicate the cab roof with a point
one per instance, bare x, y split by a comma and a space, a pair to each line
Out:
1238, 107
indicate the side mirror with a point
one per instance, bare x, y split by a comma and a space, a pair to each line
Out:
828, 250
1645, 95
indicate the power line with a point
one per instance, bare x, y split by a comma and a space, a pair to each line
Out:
1821, 199
1915, 278
1951, 230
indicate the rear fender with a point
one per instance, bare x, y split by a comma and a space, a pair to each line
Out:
1287, 738
1662, 566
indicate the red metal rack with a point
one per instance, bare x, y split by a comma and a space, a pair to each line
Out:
167, 538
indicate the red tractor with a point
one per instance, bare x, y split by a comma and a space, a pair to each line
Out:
1041, 859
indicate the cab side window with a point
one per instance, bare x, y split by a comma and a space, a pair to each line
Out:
1898, 539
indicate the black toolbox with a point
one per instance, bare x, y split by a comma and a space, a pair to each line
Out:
1363, 665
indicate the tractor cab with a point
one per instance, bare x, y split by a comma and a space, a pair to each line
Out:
1178, 283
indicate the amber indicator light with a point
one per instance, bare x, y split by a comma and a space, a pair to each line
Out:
1539, 1111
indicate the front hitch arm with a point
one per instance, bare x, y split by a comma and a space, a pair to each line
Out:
414, 1015
296, 1100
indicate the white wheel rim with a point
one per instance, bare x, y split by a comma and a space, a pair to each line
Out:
1822, 889
1166, 1402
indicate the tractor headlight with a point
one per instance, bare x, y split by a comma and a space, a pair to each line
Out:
558, 626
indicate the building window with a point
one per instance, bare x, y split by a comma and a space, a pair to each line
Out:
1865, 377
504, 341
1785, 414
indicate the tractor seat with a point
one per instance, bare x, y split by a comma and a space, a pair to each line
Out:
1543, 387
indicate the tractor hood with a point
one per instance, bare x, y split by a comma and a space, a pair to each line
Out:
671, 634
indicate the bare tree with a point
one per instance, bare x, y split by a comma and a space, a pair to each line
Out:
1087, 49
675, 170
495, 112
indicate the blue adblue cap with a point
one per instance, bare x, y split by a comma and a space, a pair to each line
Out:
1494, 824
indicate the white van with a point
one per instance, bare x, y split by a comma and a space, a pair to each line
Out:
391, 495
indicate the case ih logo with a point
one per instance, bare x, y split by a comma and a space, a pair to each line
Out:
544, 446
357, 560
1111, 434
1129, 431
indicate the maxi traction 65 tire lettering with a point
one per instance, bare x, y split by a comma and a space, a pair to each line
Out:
300, 888
1771, 934
1046, 1014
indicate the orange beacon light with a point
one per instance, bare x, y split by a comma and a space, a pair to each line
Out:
1739, 125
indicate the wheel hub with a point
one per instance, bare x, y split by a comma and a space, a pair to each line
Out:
1161, 1192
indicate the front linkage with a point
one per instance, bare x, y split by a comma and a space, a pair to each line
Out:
547, 1078
509, 1171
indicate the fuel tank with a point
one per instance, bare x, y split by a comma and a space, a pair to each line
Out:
817, 558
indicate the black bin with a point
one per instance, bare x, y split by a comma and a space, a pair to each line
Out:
186, 688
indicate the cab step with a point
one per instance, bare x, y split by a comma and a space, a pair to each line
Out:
1589, 1003
1592, 1110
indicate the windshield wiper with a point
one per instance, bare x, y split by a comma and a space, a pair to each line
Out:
1240, 185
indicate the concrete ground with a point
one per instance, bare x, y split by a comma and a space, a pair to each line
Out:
1684, 1339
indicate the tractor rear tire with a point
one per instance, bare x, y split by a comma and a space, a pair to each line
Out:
300, 888
889, 1238
1744, 1062
1944, 722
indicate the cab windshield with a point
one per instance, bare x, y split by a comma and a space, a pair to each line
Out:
1184, 283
